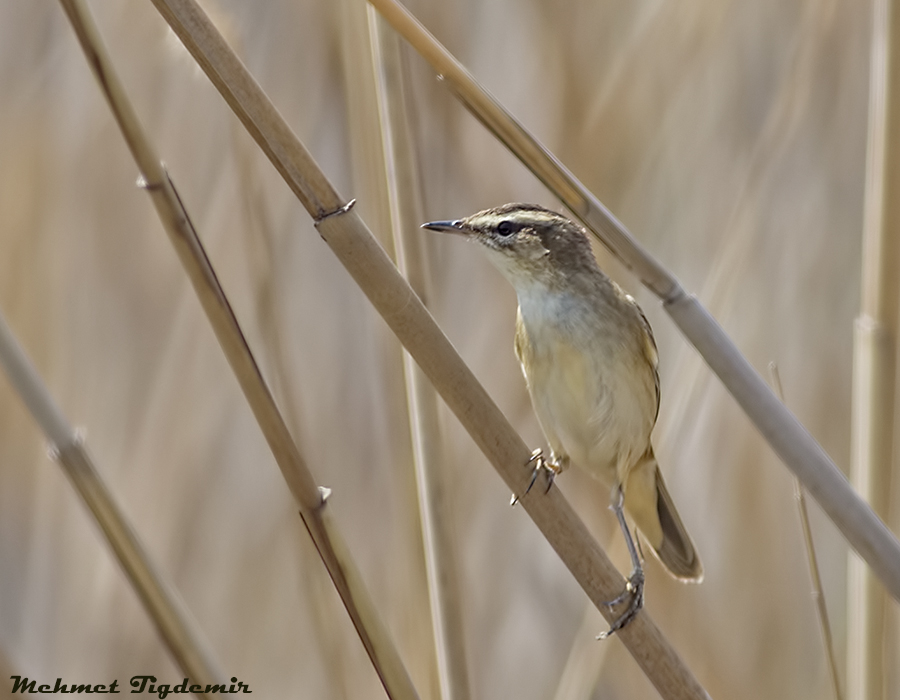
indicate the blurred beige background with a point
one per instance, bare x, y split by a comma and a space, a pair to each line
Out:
729, 137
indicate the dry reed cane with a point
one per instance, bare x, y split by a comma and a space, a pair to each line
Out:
398, 304
158, 596
875, 334
311, 500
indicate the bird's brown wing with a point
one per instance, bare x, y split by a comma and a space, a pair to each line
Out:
650, 352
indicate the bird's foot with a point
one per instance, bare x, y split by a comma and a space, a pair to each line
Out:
634, 593
540, 464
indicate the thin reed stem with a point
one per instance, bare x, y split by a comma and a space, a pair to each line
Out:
873, 413
405, 199
818, 591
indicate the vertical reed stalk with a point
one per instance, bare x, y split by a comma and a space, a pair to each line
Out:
875, 349
367, 162
406, 212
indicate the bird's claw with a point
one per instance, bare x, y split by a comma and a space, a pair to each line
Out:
540, 464
634, 590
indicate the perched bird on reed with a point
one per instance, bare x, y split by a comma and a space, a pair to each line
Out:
590, 363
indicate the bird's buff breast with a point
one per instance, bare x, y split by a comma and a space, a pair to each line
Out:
585, 398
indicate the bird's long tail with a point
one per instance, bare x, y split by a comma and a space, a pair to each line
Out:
648, 501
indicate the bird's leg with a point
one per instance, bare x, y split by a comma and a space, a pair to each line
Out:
553, 467
634, 588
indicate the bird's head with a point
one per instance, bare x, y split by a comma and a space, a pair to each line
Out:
526, 242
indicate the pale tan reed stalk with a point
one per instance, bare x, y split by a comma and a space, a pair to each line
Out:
159, 598
405, 197
872, 440
367, 155
356, 248
818, 591
313, 510
367, 163
865, 532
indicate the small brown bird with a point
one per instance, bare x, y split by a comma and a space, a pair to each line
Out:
590, 363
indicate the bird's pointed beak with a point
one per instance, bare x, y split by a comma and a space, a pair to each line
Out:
447, 227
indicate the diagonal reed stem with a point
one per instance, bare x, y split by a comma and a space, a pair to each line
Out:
313, 510
174, 624
394, 299
800, 452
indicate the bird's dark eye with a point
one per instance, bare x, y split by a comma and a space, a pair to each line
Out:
505, 228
